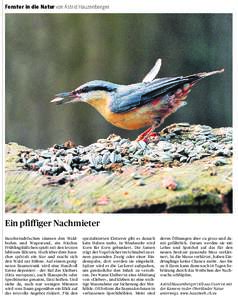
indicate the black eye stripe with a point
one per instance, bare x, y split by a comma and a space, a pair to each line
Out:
87, 89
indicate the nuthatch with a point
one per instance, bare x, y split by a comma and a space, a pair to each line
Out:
137, 105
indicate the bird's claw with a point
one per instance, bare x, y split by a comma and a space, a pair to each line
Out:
144, 135
148, 136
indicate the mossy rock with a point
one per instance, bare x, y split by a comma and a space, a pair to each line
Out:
199, 187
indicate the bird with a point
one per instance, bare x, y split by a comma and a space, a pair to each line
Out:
134, 106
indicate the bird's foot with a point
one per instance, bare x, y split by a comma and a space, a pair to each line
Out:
152, 137
148, 136
144, 135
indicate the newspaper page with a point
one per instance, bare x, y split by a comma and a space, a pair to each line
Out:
111, 186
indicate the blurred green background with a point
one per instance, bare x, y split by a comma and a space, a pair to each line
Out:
50, 53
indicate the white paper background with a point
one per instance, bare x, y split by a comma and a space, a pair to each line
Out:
144, 225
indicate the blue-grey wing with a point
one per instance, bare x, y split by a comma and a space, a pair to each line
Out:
129, 97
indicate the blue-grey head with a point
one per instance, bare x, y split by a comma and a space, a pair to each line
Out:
90, 91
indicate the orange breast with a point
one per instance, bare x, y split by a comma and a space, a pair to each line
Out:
131, 120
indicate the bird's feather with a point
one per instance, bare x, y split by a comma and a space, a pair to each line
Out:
153, 72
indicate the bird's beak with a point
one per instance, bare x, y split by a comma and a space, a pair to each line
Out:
66, 97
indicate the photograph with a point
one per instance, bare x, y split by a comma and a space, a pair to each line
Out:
118, 113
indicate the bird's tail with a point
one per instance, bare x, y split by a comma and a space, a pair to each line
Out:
206, 74
159, 87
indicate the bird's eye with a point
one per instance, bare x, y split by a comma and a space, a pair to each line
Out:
81, 90
84, 90
75, 93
